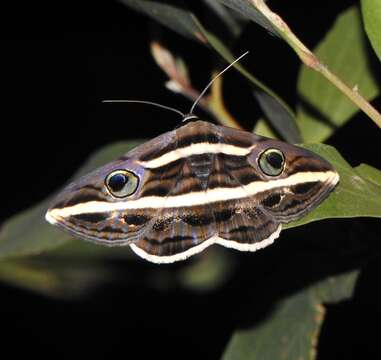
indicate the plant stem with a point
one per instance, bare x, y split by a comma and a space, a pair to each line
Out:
311, 60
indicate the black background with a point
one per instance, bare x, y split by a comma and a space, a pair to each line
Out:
58, 61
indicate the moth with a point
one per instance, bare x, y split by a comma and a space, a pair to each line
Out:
198, 185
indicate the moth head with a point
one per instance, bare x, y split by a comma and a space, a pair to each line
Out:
88, 207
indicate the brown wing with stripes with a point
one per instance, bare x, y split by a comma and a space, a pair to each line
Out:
179, 232
243, 221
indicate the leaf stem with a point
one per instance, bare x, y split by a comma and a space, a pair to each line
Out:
312, 61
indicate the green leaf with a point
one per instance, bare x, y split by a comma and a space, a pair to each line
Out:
23, 276
53, 278
291, 331
323, 108
178, 20
248, 10
28, 233
262, 128
210, 270
371, 12
231, 23
370, 173
355, 196
336, 288
282, 121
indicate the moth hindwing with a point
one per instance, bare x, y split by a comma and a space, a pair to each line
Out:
198, 185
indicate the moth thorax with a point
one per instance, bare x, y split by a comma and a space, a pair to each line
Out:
202, 166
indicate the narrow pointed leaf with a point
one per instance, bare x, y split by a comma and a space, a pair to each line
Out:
223, 13
262, 128
176, 19
248, 10
281, 120
55, 279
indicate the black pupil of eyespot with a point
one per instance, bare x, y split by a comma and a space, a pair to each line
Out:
275, 159
117, 182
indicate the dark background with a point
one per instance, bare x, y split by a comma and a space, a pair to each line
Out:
58, 61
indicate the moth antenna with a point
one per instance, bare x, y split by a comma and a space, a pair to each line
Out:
212, 81
147, 103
